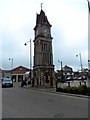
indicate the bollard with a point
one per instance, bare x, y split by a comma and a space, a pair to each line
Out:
80, 83
56, 84
84, 83
68, 84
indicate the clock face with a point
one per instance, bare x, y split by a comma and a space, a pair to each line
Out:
42, 31
45, 31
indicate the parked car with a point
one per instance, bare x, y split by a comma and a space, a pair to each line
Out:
7, 82
82, 78
69, 78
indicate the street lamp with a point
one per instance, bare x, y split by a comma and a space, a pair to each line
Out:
88, 64
80, 60
61, 69
12, 62
11, 66
88, 32
88, 5
30, 56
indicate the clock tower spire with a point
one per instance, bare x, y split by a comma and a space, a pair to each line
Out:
43, 69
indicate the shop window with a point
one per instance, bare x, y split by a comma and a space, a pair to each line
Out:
20, 78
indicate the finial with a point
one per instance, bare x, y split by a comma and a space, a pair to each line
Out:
41, 6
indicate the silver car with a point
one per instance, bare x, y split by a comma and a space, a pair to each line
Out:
7, 82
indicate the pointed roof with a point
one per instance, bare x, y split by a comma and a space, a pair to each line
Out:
21, 68
42, 18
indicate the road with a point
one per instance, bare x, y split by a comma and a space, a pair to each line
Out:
25, 103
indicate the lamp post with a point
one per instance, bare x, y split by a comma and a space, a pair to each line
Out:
88, 64
30, 56
88, 5
11, 66
12, 62
88, 33
61, 69
80, 60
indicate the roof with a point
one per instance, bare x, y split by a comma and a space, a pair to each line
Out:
42, 18
67, 68
21, 68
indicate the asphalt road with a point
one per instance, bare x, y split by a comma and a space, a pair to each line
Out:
25, 103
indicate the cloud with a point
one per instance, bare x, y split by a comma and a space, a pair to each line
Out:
69, 19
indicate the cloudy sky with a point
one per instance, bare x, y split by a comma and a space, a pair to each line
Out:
69, 20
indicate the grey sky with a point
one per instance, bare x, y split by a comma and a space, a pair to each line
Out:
69, 20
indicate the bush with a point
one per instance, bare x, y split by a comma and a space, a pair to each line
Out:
71, 91
88, 91
59, 89
65, 90
83, 90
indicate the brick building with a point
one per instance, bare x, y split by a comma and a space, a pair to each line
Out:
17, 73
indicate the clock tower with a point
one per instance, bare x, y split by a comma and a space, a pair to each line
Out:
43, 69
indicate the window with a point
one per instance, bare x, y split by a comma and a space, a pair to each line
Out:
44, 46
45, 58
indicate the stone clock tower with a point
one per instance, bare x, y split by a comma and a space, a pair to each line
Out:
43, 69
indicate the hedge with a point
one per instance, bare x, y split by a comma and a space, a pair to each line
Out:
83, 90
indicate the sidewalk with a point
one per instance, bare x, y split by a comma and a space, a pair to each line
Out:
53, 90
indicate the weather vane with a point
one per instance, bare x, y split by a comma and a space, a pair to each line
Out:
41, 6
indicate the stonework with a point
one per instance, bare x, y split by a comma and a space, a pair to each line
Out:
43, 69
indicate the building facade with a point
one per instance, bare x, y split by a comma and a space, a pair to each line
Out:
18, 73
43, 69
65, 73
